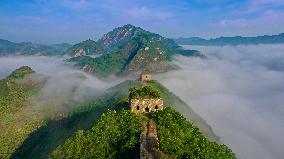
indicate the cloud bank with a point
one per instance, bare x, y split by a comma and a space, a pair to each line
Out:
240, 92
65, 86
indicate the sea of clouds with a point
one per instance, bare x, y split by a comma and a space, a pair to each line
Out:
239, 90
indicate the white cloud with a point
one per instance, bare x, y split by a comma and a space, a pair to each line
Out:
65, 87
240, 92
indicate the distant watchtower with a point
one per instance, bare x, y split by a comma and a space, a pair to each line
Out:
145, 77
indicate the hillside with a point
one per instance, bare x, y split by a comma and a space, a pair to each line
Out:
17, 121
109, 42
130, 49
88, 47
56, 131
8, 48
236, 40
32, 133
116, 134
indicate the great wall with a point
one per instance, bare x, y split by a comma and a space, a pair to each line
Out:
149, 142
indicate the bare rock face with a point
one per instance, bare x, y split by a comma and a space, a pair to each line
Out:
119, 35
79, 53
87, 69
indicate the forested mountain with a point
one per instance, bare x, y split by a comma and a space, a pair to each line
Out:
129, 49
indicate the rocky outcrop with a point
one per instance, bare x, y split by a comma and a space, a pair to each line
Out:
119, 35
87, 69
79, 53
87, 47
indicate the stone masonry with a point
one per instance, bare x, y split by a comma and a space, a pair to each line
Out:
144, 106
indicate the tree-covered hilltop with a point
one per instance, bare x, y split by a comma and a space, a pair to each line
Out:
16, 88
17, 121
144, 92
21, 72
129, 48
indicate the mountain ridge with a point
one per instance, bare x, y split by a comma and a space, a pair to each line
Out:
8, 48
234, 40
131, 49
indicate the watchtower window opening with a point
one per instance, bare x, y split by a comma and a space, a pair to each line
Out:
137, 107
147, 109
156, 107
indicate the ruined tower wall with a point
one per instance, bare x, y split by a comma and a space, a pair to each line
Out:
145, 77
146, 105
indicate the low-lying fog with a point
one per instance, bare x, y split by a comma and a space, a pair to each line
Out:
240, 92
65, 85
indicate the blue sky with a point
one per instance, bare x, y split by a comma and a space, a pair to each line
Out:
54, 21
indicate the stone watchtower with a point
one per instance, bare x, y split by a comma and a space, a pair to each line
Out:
145, 100
146, 105
145, 77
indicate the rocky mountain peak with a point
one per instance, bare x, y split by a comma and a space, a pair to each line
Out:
118, 35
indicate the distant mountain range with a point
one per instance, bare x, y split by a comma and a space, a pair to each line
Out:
8, 48
114, 41
237, 40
